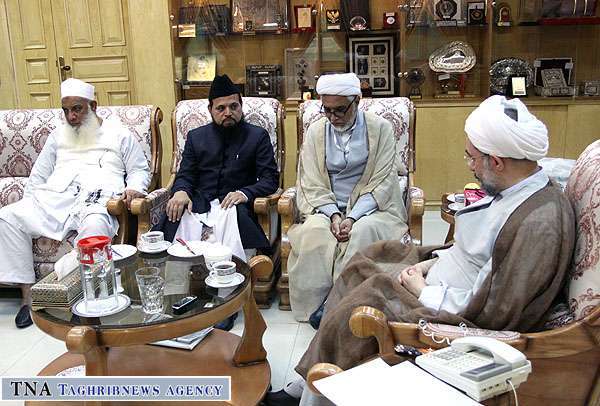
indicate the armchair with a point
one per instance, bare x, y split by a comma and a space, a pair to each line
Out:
565, 357
401, 112
22, 136
189, 114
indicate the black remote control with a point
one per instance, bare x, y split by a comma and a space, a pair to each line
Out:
183, 305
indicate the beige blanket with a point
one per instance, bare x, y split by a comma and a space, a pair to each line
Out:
529, 263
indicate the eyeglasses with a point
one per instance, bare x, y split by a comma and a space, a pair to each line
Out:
339, 112
470, 160
233, 107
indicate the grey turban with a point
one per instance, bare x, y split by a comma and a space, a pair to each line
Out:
492, 131
339, 84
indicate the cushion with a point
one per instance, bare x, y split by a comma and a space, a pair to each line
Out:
260, 111
11, 189
394, 109
583, 191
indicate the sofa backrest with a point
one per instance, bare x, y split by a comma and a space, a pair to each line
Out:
264, 112
399, 111
583, 191
24, 132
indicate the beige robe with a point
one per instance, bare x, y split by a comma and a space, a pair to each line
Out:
316, 258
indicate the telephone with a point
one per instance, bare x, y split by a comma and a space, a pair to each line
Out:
479, 366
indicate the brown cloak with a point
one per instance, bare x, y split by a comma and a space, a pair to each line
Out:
529, 262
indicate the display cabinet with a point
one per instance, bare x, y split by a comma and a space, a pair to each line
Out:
447, 55
425, 49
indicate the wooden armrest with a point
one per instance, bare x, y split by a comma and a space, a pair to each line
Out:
116, 207
416, 210
261, 266
140, 205
319, 371
263, 204
286, 204
367, 321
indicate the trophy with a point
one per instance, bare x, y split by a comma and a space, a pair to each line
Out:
415, 78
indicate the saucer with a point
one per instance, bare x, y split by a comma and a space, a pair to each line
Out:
178, 250
456, 206
123, 251
452, 197
237, 279
160, 248
123, 303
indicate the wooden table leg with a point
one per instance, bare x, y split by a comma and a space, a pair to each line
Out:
84, 340
450, 235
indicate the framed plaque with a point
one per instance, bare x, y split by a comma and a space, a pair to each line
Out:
517, 86
259, 15
372, 59
201, 68
389, 19
476, 13
541, 64
448, 13
503, 15
333, 19
355, 15
304, 19
300, 69
263, 80
186, 27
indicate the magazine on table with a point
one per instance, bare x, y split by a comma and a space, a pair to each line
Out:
187, 342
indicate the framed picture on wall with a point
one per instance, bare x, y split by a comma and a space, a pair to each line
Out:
201, 68
263, 80
372, 59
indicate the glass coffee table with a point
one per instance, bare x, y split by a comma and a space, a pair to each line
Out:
115, 344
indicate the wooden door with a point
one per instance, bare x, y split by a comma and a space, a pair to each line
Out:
34, 53
92, 45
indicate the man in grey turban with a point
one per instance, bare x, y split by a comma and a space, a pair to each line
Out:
507, 266
347, 190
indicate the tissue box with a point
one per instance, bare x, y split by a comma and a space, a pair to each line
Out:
50, 292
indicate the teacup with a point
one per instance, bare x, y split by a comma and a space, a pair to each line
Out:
223, 271
216, 253
152, 240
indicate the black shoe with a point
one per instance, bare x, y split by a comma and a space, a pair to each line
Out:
281, 398
23, 318
315, 319
226, 324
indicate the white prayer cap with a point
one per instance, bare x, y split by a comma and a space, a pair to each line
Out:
339, 84
493, 132
77, 88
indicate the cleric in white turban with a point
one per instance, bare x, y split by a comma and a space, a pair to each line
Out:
348, 191
339, 84
84, 163
506, 129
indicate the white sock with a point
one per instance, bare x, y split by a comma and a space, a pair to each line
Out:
295, 388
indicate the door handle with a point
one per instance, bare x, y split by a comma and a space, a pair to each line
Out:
63, 69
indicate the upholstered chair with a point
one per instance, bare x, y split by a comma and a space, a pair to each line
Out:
400, 111
22, 136
565, 356
267, 113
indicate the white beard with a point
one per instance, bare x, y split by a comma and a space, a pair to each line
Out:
82, 136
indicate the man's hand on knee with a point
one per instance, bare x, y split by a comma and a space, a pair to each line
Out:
232, 199
129, 195
412, 279
177, 204
336, 220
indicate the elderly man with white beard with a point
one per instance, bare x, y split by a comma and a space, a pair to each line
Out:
83, 164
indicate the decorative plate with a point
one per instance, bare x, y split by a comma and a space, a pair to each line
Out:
504, 68
454, 57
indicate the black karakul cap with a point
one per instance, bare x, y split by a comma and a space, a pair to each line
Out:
222, 86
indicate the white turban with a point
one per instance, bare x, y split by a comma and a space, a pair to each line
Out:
493, 132
339, 84
77, 88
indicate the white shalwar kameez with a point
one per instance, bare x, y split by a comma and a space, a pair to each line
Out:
67, 190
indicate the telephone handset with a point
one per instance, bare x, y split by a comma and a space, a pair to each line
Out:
480, 366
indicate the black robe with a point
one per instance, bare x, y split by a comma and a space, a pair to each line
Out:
217, 161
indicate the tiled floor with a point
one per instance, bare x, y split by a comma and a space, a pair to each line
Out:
26, 352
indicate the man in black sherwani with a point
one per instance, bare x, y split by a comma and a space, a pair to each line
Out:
228, 159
